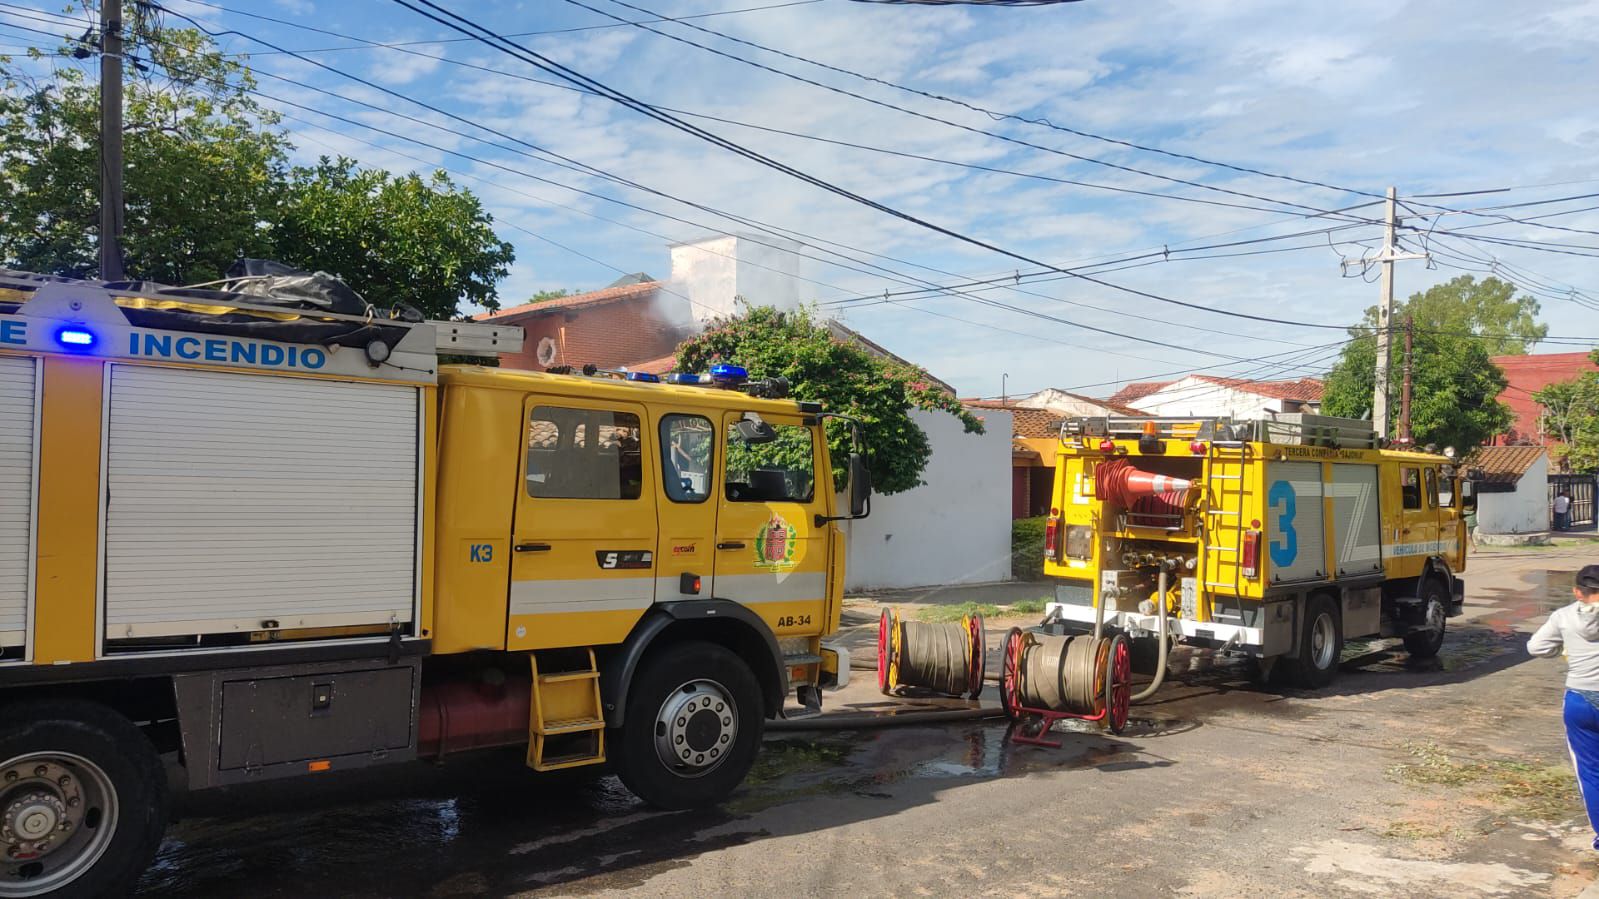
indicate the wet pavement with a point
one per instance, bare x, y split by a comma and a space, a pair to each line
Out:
880, 800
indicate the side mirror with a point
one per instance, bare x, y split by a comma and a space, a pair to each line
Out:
1468, 496
860, 486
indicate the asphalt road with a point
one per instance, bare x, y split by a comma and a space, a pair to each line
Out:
1441, 779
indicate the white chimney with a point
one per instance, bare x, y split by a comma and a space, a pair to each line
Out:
726, 274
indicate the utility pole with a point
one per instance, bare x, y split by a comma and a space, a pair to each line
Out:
111, 140
1385, 310
1404, 396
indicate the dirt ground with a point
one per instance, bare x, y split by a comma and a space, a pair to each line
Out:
1449, 778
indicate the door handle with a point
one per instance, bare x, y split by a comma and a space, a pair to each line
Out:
730, 544
532, 547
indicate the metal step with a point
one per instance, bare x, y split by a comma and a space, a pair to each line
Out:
572, 726
568, 676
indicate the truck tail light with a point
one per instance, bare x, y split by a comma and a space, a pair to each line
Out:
1052, 538
1251, 554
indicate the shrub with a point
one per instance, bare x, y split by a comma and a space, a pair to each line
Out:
1027, 549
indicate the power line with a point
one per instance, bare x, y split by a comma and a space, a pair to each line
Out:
881, 103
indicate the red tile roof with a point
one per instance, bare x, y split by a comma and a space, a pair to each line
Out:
575, 301
1137, 390
1305, 390
1501, 467
656, 366
1526, 375
1024, 422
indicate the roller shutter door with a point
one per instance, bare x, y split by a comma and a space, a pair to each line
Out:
238, 501
18, 433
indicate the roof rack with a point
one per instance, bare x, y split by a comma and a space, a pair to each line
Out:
1290, 428
450, 337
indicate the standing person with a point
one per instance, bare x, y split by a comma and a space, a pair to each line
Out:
1562, 510
1470, 518
1575, 629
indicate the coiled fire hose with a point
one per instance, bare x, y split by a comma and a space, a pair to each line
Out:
1047, 677
944, 658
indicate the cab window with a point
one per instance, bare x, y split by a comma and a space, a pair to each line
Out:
1432, 488
770, 463
583, 454
1410, 487
687, 443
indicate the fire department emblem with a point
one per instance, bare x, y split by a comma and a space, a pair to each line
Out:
775, 544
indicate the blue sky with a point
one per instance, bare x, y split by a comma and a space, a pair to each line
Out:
1430, 96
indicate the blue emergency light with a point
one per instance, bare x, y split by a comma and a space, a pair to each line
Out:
684, 378
643, 376
75, 338
728, 375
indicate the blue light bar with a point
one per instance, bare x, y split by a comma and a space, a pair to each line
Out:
722, 373
684, 378
643, 376
75, 338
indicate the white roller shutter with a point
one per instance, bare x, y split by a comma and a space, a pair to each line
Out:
235, 500
18, 434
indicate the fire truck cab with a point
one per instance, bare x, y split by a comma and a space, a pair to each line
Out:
1280, 538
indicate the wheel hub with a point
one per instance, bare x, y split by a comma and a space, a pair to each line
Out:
696, 728
58, 813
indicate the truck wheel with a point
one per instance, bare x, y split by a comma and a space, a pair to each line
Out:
1321, 643
83, 800
1424, 644
693, 725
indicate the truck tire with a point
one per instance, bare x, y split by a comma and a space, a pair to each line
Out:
1321, 643
83, 800
693, 725
1435, 609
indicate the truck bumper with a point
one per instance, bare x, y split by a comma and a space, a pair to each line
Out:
1197, 633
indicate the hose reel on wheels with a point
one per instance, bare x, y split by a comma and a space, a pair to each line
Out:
1047, 678
945, 658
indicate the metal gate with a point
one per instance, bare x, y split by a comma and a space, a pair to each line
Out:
1581, 488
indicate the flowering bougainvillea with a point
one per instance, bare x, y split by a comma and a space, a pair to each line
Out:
845, 378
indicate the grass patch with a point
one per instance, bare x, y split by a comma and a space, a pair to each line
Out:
1029, 606
942, 614
780, 758
1544, 792
956, 613
1414, 830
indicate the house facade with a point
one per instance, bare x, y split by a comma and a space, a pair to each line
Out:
1512, 486
1524, 377
1212, 396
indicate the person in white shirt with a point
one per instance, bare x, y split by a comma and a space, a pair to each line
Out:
1562, 511
1574, 630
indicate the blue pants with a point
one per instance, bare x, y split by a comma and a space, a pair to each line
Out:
1582, 736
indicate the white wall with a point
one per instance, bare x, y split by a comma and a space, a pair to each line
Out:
1195, 396
955, 528
1526, 511
722, 275
1061, 402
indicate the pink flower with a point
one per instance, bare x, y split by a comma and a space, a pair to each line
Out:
919, 385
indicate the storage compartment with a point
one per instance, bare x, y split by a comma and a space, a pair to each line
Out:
240, 503
18, 458
259, 723
317, 716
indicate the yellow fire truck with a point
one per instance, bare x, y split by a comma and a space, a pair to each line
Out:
273, 538
1278, 538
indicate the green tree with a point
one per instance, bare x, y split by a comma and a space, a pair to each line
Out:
544, 295
1571, 415
401, 239
1464, 304
1454, 393
203, 161
844, 377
